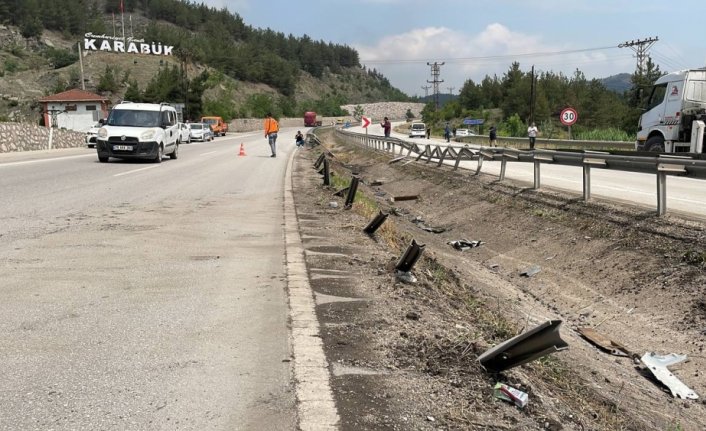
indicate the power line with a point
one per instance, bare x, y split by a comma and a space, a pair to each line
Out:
491, 57
426, 90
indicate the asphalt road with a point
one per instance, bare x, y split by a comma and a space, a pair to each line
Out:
145, 296
684, 195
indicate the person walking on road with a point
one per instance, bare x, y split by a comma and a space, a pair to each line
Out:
532, 132
447, 132
386, 126
493, 136
428, 132
271, 129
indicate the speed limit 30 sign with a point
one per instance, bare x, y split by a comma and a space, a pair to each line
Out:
568, 116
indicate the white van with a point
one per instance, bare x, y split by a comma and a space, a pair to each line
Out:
417, 129
139, 131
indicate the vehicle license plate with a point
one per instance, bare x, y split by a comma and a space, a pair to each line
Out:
122, 147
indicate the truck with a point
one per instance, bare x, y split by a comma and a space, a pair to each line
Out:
310, 119
218, 126
673, 121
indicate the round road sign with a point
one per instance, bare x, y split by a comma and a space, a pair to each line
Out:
568, 116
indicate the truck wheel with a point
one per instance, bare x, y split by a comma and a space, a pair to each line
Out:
160, 154
655, 143
175, 154
103, 159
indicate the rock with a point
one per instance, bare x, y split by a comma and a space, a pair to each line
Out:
412, 315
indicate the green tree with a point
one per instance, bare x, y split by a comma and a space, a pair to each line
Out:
107, 81
133, 93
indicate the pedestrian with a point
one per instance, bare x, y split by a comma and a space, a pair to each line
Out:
454, 131
447, 132
428, 132
532, 132
493, 136
271, 129
299, 139
386, 126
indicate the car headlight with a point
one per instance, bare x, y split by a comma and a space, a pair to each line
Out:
103, 133
148, 135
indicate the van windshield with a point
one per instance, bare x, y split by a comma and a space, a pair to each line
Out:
210, 120
133, 118
417, 126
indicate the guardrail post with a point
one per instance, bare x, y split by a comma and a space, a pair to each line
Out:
661, 193
503, 165
537, 165
480, 163
586, 182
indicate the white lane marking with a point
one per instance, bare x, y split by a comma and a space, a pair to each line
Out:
28, 162
210, 152
136, 170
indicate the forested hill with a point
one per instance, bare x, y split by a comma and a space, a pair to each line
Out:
202, 35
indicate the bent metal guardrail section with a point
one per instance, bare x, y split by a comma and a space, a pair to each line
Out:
659, 164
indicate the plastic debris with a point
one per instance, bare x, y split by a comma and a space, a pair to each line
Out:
510, 394
333, 204
464, 244
657, 364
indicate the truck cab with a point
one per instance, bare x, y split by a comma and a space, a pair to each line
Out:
217, 124
676, 101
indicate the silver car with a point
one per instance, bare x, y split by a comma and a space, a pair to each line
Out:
201, 132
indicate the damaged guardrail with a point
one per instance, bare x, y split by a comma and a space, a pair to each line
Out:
661, 165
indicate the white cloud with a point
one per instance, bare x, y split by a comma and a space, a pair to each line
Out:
402, 58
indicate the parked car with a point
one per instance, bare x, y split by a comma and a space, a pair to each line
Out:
465, 132
417, 130
201, 132
139, 131
184, 133
91, 135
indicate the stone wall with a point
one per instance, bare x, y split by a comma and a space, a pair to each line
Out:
30, 137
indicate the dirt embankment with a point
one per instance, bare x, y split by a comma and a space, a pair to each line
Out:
404, 356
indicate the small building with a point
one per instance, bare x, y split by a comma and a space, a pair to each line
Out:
74, 109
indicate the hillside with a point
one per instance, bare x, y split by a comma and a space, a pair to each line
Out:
619, 83
297, 74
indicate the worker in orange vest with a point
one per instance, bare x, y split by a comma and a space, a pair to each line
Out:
271, 129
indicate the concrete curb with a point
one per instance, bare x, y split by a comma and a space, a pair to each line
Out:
315, 404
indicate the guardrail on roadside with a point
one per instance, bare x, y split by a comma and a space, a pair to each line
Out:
659, 164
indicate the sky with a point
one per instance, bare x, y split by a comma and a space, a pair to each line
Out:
478, 38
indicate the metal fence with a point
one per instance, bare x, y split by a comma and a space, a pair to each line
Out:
661, 165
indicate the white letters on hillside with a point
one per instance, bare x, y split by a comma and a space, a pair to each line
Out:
102, 42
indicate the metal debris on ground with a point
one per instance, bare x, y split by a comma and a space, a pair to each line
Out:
529, 272
333, 204
399, 211
605, 343
526, 347
396, 159
419, 221
657, 364
510, 394
464, 244
376, 183
405, 276
380, 194
404, 198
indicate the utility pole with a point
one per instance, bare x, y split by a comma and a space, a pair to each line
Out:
435, 72
426, 90
533, 95
451, 90
640, 47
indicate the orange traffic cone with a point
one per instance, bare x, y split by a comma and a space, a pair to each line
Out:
242, 150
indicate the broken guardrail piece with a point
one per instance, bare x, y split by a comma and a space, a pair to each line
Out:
526, 347
404, 198
605, 343
657, 364
403, 269
375, 223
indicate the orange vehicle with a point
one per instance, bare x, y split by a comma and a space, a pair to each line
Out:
217, 124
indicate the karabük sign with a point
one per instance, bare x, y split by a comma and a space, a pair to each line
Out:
103, 42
